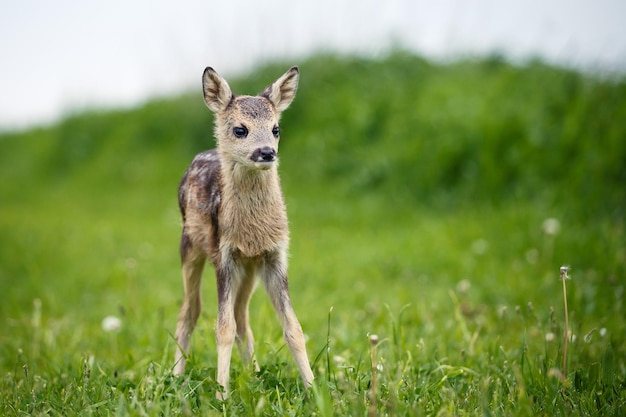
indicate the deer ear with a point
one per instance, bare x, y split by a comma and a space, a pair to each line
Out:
217, 94
283, 90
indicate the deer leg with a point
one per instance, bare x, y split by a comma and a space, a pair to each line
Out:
275, 280
192, 265
228, 281
245, 338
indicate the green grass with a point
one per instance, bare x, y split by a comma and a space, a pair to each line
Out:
417, 195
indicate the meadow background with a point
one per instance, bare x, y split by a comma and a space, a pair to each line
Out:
431, 204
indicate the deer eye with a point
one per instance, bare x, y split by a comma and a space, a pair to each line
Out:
276, 131
240, 132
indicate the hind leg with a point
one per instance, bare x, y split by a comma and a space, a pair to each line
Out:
193, 260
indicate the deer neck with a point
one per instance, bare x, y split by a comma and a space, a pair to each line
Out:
253, 214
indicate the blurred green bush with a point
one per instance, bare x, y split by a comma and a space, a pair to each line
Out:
399, 127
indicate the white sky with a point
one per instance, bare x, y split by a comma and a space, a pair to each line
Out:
65, 55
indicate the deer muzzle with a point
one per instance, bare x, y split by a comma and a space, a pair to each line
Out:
264, 157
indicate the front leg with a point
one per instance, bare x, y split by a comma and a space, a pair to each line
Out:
275, 280
225, 328
245, 337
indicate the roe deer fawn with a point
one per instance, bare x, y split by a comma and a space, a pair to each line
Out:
234, 214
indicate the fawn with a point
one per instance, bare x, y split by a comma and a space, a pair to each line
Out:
234, 213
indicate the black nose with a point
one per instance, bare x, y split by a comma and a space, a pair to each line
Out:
266, 154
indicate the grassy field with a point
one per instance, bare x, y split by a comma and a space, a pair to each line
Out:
430, 204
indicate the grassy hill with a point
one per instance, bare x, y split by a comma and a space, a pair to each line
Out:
431, 204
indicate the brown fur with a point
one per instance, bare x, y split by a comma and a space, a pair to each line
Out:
234, 214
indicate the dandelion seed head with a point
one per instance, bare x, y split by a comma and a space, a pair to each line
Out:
550, 337
463, 286
602, 332
551, 226
111, 324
